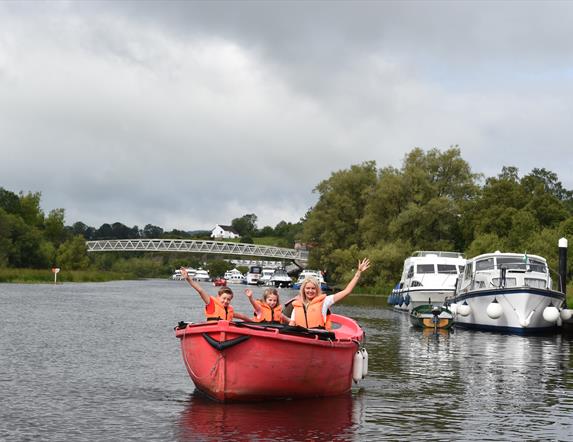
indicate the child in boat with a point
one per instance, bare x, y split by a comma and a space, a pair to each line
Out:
218, 308
267, 309
311, 307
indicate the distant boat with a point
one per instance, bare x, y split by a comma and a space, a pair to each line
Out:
234, 277
280, 278
428, 277
508, 292
266, 276
177, 274
254, 275
316, 274
202, 275
219, 282
431, 316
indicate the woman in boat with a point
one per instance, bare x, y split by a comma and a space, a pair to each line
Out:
267, 309
218, 308
311, 307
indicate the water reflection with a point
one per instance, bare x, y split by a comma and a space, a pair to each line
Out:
320, 419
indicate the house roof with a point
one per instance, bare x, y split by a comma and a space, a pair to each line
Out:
228, 229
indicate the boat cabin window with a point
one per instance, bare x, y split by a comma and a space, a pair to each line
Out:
537, 266
411, 271
509, 282
484, 264
511, 263
468, 272
425, 268
447, 268
536, 283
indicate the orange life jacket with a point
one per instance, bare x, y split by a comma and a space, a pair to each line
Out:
220, 311
310, 316
269, 314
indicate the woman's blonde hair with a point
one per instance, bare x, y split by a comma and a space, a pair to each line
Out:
270, 291
309, 280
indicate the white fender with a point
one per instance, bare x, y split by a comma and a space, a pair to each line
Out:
494, 310
364, 361
566, 314
550, 314
464, 309
357, 367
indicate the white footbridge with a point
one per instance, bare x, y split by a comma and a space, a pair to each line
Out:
197, 246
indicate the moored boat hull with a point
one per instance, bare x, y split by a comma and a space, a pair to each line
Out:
520, 310
430, 316
233, 361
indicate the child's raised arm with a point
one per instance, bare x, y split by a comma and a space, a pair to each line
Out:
204, 295
255, 305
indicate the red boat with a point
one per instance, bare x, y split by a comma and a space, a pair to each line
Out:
252, 361
220, 282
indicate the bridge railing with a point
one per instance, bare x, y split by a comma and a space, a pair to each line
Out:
195, 246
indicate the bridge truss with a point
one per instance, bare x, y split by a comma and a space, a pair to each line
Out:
197, 246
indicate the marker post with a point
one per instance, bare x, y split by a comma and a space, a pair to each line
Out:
55, 271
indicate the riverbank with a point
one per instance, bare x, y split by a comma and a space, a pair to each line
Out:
37, 276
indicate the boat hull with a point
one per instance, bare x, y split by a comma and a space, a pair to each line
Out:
232, 361
423, 317
521, 310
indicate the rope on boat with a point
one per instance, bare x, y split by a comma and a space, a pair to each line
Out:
189, 366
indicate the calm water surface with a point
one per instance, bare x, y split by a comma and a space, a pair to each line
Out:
85, 362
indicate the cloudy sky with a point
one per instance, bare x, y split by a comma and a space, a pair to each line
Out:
186, 114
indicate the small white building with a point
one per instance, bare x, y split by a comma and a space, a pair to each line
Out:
224, 232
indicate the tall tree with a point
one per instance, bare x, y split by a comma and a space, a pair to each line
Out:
245, 225
333, 223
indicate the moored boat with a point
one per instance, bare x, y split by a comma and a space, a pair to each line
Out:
280, 278
317, 274
246, 361
508, 292
431, 316
201, 275
234, 277
428, 277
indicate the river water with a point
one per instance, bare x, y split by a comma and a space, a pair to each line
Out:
99, 362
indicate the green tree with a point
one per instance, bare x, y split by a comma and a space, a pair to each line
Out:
245, 225
333, 223
72, 254
218, 267
30, 210
150, 231
54, 227
9, 201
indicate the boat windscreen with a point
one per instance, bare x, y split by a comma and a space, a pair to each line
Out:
484, 264
447, 268
511, 263
425, 268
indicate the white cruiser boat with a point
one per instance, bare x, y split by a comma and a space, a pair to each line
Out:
202, 275
266, 276
280, 278
234, 277
254, 275
428, 277
177, 274
508, 292
317, 274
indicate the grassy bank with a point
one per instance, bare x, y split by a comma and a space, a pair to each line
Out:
35, 276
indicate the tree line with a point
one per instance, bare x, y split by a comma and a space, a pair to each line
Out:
432, 202
31, 239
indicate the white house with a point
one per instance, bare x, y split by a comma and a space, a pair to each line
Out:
224, 232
